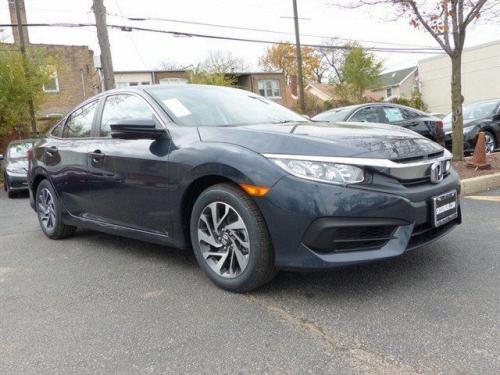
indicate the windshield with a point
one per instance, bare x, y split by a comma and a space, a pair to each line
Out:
333, 116
19, 150
194, 105
477, 111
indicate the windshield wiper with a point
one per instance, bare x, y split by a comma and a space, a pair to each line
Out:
287, 121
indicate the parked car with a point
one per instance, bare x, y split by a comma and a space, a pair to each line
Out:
481, 116
385, 113
14, 166
250, 186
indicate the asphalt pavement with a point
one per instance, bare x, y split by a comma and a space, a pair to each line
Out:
100, 304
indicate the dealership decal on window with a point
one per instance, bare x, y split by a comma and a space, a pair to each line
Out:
177, 108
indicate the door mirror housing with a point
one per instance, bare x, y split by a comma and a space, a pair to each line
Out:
137, 129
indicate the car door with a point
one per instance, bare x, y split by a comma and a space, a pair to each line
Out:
129, 176
65, 158
367, 114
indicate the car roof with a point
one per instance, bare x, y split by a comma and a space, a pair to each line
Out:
357, 106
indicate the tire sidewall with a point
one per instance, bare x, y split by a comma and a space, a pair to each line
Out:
58, 224
227, 195
487, 132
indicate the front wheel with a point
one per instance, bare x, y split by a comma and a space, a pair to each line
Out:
490, 142
230, 239
49, 212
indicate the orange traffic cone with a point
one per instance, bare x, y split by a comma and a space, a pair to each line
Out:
478, 159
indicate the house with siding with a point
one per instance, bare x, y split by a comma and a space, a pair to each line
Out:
395, 84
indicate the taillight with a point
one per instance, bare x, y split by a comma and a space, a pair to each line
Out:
439, 124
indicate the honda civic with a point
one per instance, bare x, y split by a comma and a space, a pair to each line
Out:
247, 185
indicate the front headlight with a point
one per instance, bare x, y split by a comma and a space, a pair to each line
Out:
333, 173
16, 170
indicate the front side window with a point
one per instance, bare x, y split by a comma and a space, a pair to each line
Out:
123, 107
270, 88
52, 85
367, 114
79, 123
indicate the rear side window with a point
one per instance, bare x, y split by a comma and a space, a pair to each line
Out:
79, 123
393, 114
123, 107
367, 114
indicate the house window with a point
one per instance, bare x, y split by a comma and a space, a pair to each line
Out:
53, 83
173, 81
270, 88
388, 92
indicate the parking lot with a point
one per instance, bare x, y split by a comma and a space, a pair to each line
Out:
96, 303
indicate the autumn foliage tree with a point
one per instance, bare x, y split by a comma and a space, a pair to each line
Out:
447, 21
282, 56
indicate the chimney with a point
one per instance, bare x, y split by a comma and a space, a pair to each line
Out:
13, 20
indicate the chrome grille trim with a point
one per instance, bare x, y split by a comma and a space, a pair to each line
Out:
401, 171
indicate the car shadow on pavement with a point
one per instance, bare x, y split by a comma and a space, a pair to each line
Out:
422, 266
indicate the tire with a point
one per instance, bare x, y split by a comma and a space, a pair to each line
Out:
491, 143
232, 265
49, 212
10, 194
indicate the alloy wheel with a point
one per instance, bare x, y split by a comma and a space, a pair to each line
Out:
46, 209
223, 239
489, 143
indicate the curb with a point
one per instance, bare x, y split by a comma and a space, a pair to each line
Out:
480, 184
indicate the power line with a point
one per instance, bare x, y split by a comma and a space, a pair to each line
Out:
236, 39
263, 30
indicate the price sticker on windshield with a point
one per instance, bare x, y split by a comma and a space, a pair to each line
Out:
177, 108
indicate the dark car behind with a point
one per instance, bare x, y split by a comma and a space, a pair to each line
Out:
385, 113
14, 166
481, 116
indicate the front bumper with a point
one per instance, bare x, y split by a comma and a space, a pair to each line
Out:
17, 181
384, 218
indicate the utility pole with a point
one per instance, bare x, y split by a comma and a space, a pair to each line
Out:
102, 36
300, 77
22, 47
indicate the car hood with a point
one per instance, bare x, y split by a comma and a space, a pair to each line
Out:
18, 163
364, 140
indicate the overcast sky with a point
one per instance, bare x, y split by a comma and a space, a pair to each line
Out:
141, 50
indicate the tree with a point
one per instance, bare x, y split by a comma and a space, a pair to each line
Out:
282, 57
447, 21
216, 69
361, 71
333, 56
16, 90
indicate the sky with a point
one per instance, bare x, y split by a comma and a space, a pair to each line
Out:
144, 51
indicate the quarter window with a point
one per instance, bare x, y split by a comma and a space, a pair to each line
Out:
270, 88
79, 124
123, 107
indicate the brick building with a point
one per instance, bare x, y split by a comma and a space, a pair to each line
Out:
75, 77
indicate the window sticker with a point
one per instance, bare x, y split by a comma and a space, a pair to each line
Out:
177, 108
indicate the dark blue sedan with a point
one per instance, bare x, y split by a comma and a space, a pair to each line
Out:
246, 184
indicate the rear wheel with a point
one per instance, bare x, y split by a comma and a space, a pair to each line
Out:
49, 212
230, 239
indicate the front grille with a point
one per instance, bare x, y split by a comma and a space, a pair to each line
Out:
418, 158
359, 238
420, 181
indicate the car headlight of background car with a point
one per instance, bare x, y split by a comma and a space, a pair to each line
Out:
16, 170
333, 173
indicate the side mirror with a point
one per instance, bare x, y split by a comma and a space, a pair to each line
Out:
1, 157
137, 129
